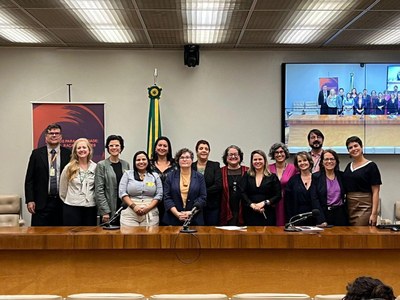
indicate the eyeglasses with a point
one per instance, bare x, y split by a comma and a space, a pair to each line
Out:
279, 152
233, 155
54, 133
329, 159
185, 158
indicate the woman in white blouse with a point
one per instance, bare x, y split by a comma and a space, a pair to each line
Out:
77, 186
141, 189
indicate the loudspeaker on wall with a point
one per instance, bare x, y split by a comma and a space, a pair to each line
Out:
191, 55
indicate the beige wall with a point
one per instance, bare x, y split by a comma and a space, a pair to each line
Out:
233, 97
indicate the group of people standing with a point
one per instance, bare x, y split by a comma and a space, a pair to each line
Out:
339, 102
64, 188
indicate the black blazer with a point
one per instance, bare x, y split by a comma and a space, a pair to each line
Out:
213, 178
319, 193
37, 175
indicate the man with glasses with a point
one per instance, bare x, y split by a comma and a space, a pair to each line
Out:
316, 141
42, 179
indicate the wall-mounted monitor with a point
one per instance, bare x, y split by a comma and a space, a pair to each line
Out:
342, 99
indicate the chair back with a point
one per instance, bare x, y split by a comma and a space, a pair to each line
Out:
30, 297
271, 296
106, 296
329, 297
10, 208
189, 297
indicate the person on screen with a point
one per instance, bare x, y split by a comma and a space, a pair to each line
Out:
354, 94
392, 105
348, 105
184, 190
297, 191
364, 287
316, 140
367, 102
108, 175
380, 105
77, 186
211, 171
372, 104
322, 95
341, 97
395, 89
362, 181
163, 164
327, 191
141, 189
42, 179
261, 191
359, 107
231, 201
284, 170
332, 102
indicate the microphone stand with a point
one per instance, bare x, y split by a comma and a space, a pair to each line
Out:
186, 224
108, 225
289, 226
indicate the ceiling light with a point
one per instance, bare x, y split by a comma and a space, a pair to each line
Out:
207, 21
307, 24
14, 31
102, 20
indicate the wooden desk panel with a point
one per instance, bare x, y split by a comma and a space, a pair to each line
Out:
262, 259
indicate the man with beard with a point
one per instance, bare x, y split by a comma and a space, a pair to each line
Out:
315, 140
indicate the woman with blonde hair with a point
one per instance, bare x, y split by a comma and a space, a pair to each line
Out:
77, 186
261, 190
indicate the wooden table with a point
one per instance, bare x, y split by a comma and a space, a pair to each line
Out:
375, 131
66, 260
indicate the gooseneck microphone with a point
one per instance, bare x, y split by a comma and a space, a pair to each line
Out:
185, 227
107, 225
298, 218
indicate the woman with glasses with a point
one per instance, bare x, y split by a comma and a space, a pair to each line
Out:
261, 190
327, 191
184, 191
231, 204
284, 170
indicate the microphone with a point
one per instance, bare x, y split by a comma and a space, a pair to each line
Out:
107, 225
185, 228
298, 218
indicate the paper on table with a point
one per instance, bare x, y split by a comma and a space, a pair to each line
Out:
232, 227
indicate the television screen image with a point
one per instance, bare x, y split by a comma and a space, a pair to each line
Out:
342, 100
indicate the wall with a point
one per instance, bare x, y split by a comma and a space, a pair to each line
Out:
233, 97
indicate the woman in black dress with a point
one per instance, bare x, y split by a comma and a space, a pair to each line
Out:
362, 181
261, 190
297, 191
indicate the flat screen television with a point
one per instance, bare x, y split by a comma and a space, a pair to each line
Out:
342, 100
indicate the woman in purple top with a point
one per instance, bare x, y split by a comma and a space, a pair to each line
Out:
284, 170
327, 191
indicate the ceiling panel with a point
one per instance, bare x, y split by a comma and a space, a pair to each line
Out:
252, 23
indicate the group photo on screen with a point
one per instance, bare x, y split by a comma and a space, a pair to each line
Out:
342, 99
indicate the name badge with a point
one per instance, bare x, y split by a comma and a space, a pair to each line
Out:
150, 183
52, 172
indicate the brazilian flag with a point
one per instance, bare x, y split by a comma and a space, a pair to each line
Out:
154, 122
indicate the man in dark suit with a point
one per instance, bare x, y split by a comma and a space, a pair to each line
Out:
42, 179
322, 95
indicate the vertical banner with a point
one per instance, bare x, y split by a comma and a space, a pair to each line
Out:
330, 82
83, 120
154, 121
